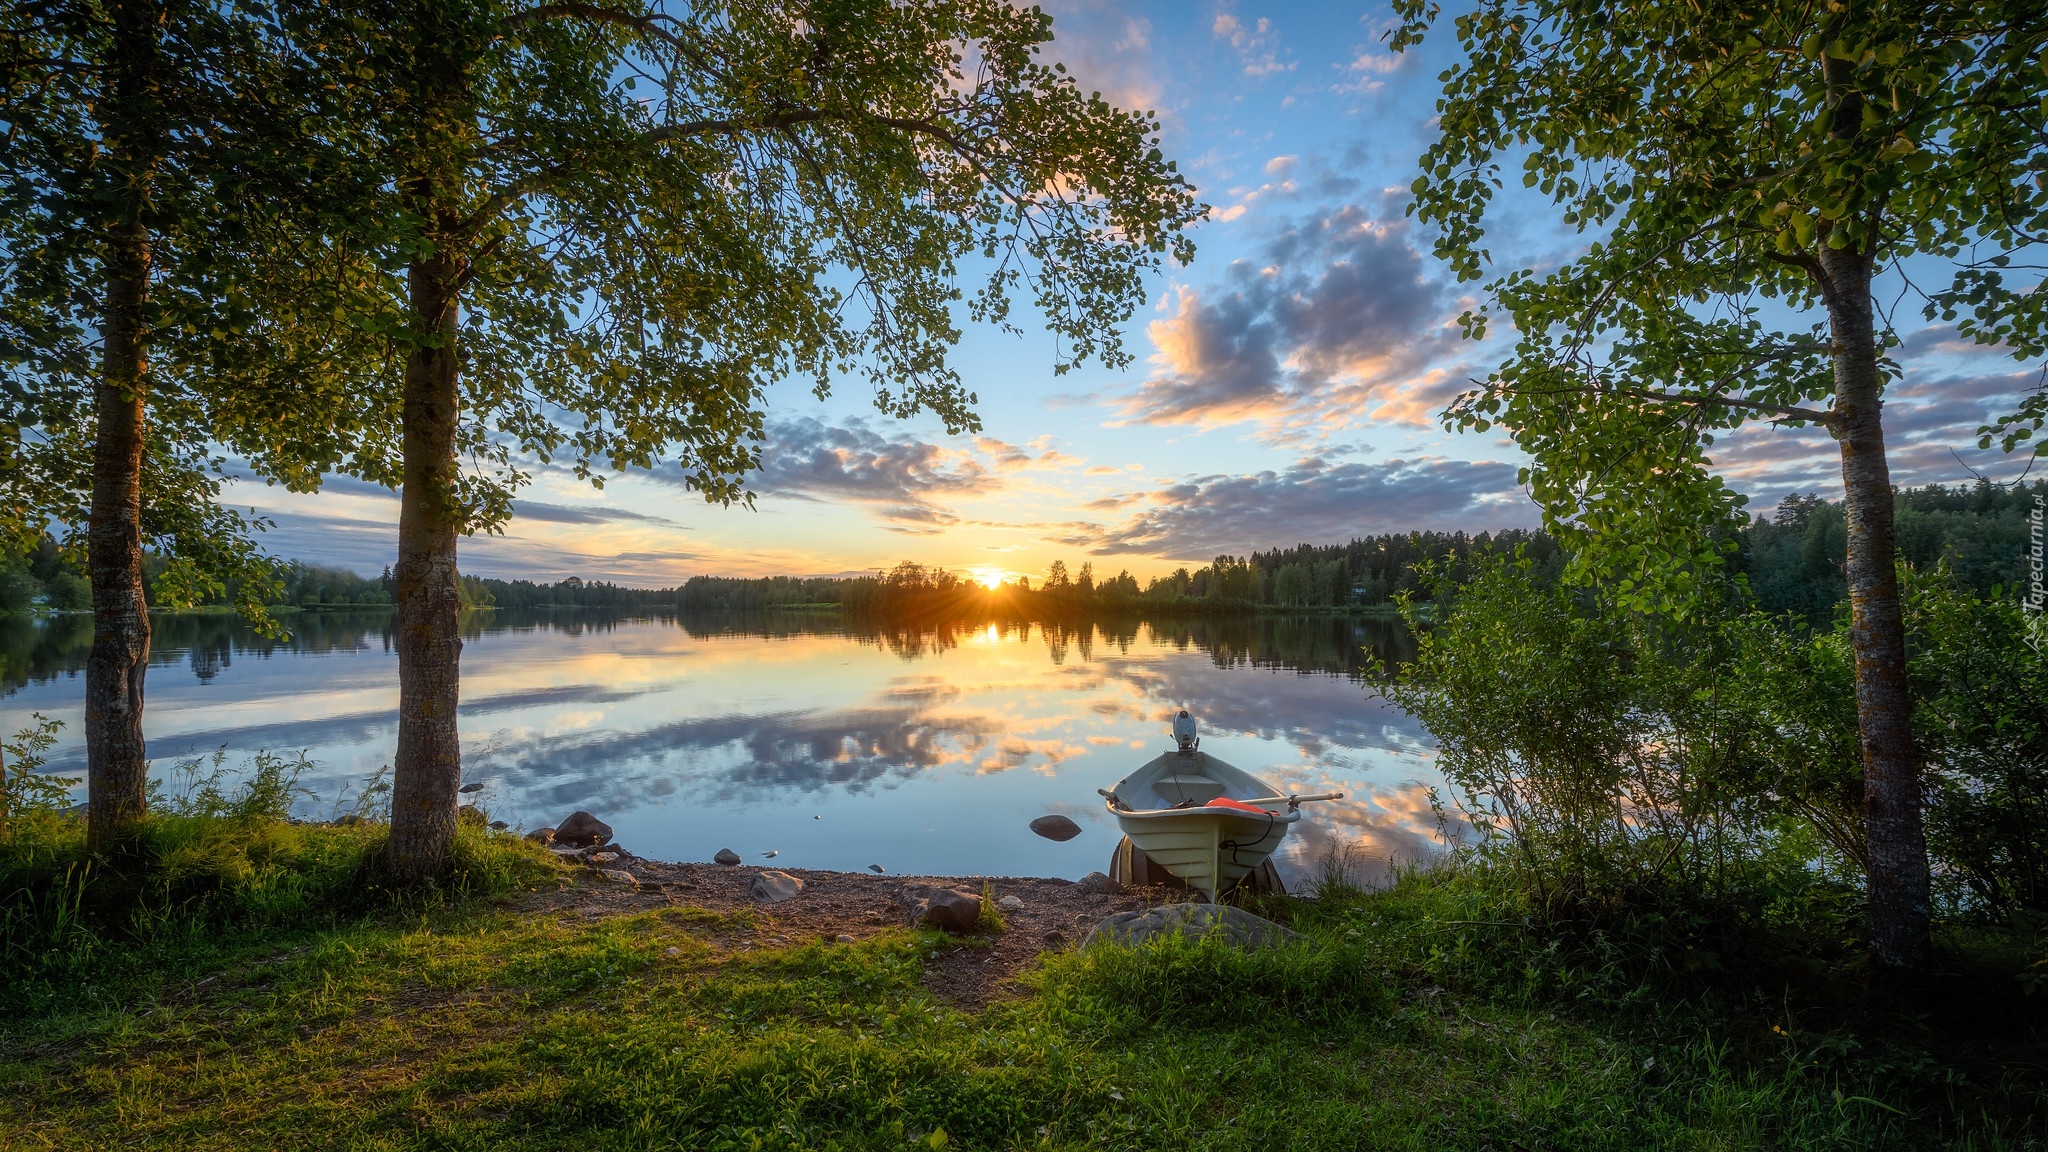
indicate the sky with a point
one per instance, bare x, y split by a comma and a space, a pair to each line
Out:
1285, 388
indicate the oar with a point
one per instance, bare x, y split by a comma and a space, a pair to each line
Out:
1293, 800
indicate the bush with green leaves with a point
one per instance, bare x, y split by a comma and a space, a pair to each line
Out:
27, 792
1610, 756
1983, 726
1595, 748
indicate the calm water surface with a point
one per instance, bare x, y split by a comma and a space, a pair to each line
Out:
922, 750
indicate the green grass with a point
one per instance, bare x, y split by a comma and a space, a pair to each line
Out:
1407, 1020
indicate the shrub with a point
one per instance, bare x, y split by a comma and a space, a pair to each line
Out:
1983, 723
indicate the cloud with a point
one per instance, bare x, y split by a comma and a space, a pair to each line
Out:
1257, 44
1038, 455
1105, 50
585, 514
1367, 71
1931, 417
1312, 500
1335, 323
903, 478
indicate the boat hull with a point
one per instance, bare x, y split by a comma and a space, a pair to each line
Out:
1209, 850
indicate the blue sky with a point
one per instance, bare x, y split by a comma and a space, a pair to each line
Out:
1286, 386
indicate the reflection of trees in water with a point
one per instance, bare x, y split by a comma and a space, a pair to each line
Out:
1347, 646
35, 651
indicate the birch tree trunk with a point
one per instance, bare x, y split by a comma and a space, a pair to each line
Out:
1897, 873
117, 763
428, 767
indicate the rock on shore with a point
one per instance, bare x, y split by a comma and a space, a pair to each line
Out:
581, 830
949, 909
775, 887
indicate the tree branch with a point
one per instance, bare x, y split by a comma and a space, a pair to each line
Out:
1784, 411
645, 25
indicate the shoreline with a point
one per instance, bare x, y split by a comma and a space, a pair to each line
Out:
1050, 914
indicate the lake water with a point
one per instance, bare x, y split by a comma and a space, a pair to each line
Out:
924, 750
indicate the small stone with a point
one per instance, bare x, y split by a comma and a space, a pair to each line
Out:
541, 835
602, 857
1010, 904
581, 830
843, 938
774, 887
499, 825
1054, 937
472, 816
671, 951
727, 857
567, 855
948, 909
1097, 884
770, 854
1056, 828
468, 788
875, 868
619, 876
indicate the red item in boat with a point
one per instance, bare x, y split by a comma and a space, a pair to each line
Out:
1241, 806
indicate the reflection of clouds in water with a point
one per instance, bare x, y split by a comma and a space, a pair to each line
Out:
1016, 751
1368, 836
348, 728
729, 759
1312, 711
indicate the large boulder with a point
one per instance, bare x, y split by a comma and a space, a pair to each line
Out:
727, 857
581, 830
1234, 926
774, 887
948, 909
1056, 828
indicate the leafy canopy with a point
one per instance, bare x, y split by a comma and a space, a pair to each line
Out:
656, 213
209, 157
1712, 151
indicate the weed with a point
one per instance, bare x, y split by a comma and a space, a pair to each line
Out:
989, 921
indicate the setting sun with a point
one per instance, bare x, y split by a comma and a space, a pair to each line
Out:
989, 578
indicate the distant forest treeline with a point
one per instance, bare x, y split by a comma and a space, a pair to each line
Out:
1793, 563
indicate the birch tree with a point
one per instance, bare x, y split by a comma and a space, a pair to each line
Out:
605, 229
1744, 173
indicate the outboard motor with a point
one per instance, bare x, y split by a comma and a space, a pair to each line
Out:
1184, 733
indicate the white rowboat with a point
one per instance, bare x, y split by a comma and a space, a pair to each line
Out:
1169, 808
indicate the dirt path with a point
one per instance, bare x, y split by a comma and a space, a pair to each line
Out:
1055, 913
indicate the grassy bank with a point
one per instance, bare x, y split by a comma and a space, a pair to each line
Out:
1422, 1017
